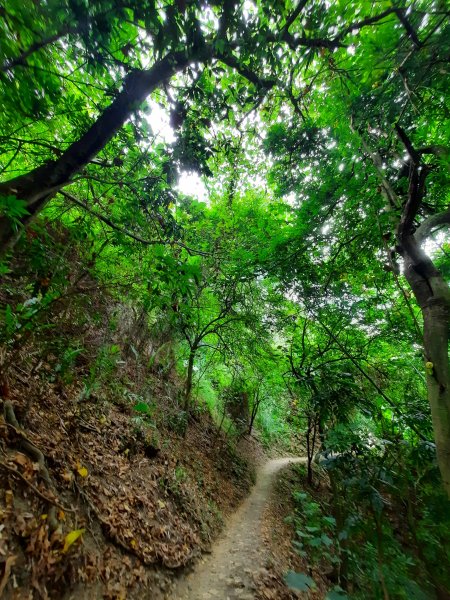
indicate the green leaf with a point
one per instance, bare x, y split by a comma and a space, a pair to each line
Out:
336, 593
315, 542
13, 207
4, 268
299, 581
142, 407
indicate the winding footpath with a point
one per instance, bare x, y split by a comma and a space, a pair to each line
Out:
226, 574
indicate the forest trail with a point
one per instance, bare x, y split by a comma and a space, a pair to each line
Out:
226, 574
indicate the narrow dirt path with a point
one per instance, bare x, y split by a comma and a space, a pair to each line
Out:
226, 574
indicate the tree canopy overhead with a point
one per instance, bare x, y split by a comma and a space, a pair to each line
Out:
85, 78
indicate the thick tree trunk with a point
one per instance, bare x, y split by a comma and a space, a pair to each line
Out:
430, 289
41, 184
433, 296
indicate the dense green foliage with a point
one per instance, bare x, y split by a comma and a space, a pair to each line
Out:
291, 286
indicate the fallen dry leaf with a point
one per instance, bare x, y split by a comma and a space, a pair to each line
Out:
8, 564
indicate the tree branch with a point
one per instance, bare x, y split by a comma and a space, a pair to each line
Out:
391, 403
300, 6
401, 14
20, 60
108, 222
414, 155
129, 234
294, 41
226, 17
387, 189
426, 228
364, 22
231, 61
416, 193
40, 184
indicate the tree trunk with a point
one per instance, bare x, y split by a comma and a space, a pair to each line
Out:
310, 443
339, 506
41, 184
433, 296
255, 407
380, 554
430, 289
190, 373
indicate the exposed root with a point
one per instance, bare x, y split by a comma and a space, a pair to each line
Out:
36, 455
18, 474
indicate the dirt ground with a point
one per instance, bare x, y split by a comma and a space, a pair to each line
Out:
240, 556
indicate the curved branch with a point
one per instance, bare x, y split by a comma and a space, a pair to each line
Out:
426, 228
40, 184
22, 477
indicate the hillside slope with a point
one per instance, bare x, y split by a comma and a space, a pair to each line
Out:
105, 493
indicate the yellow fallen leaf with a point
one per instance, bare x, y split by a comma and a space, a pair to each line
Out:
161, 504
43, 517
72, 538
133, 543
82, 471
61, 515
